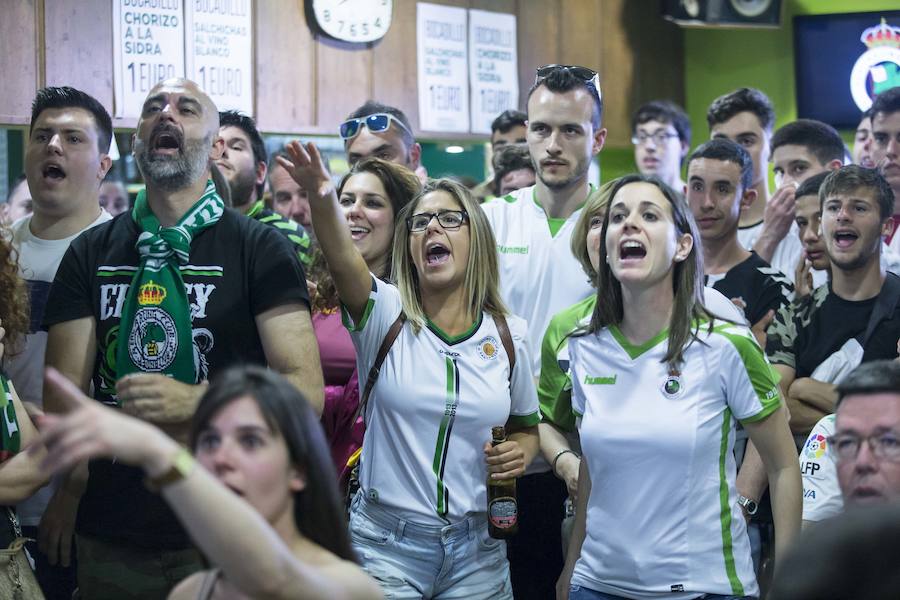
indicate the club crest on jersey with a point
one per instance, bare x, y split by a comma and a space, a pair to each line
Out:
673, 386
487, 348
153, 341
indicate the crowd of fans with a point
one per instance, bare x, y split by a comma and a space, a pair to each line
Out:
255, 379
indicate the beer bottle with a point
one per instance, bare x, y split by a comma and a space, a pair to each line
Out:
503, 508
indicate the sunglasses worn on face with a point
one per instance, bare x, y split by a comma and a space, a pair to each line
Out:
589, 77
375, 123
451, 220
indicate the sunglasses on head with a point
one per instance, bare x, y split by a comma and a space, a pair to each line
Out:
375, 123
588, 76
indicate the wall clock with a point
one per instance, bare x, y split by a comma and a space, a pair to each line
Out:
353, 20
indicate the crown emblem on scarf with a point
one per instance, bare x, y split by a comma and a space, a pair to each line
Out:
151, 294
881, 35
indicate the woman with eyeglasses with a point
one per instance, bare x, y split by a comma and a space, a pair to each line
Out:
370, 195
657, 382
419, 521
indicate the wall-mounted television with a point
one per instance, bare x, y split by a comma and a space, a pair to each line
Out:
842, 61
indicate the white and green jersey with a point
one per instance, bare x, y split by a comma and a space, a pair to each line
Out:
432, 409
663, 517
539, 275
555, 385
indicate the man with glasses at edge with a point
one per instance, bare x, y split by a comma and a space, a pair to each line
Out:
382, 131
866, 440
539, 277
661, 134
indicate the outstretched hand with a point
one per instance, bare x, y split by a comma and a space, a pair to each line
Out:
90, 430
307, 168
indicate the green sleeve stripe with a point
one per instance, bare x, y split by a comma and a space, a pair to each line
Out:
348, 322
577, 414
528, 420
758, 370
765, 412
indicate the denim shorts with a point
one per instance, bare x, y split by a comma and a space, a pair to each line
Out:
415, 560
577, 592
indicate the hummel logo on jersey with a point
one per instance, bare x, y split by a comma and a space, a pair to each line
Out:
512, 249
588, 380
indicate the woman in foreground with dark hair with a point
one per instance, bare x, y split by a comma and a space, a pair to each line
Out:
255, 435
657, 383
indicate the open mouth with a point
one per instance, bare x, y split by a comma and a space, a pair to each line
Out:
357, 233
845, 239
436, 254
632, 250
53, 172
167, 141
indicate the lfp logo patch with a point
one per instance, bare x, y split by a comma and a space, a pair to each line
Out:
487, 348
816, 446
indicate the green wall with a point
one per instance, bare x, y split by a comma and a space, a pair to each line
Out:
720, 60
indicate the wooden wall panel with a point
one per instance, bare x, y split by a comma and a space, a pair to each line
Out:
395, 77
343, 80
285, 68
538, 23
19, 60
79, 45
308, 85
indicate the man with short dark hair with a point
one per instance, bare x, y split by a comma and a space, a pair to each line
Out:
804, 148
813, 268
539, 277
746, 116
508, 128
513, 169
719, 188
17, 203
147, 308
66, 159
661, 134
243, 164
382, 131
886, 155
854, 319
113, 197
862, 141
286, 197
866, 440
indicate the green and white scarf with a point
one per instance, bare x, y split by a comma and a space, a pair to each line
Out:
11, 440
155, 331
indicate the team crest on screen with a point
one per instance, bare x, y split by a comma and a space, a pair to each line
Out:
153, 341
878, 68
487, 348
673, 386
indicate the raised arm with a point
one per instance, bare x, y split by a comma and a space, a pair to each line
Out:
227, 530
347, 267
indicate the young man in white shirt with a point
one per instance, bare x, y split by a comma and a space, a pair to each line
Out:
66, 160
540, 277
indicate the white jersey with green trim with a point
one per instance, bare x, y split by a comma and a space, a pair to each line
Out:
431, 411
539, 275
663, 518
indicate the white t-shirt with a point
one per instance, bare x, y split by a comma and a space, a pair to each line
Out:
539, 275
432, 409
821, 493
38, 261
662, 517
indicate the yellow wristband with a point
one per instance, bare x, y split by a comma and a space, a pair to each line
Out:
182, 466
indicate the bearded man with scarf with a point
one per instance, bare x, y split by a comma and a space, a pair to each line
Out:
147, 308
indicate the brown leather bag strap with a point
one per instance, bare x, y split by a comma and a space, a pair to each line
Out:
506, 338
383, 350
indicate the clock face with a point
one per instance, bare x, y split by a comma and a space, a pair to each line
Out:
354, 20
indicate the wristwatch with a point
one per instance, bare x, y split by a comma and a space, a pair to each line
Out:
182, 465
749, 506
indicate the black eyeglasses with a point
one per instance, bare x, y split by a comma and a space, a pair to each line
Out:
589, 77
846, 446
659, 138
375, 123
451, 220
